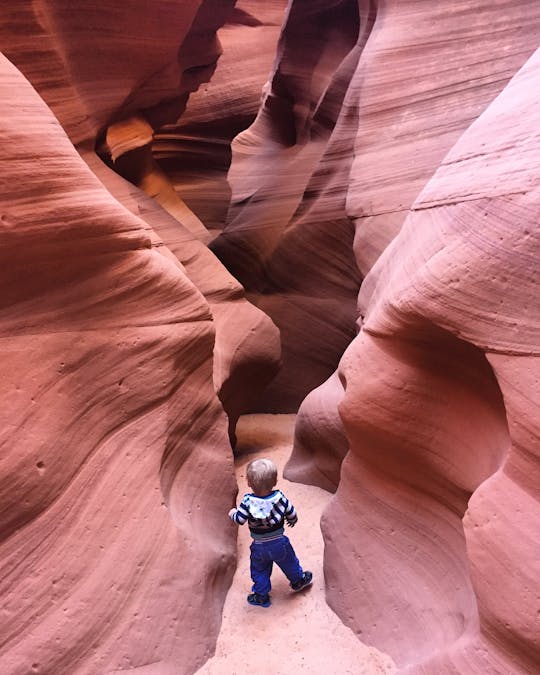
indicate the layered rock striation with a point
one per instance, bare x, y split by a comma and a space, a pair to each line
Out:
412, 94
385, 201
287, 238
117, 465
426, 392
364, 101
439, 494
111, 429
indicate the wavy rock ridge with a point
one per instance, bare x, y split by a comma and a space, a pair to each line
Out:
115, 454
385, 202
428, 392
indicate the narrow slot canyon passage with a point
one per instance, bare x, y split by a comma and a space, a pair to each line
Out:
304, 229
298, 632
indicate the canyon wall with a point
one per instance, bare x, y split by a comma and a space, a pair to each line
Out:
287, 238
116, 462
384, 201
108, 407
364, 101
439, 494
425, 73
437, 504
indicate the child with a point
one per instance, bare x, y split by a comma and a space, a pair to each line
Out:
265, 511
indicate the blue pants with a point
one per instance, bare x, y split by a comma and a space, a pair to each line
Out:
264, 554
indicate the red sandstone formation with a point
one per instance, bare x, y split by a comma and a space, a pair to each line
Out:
116, 447
195, 152
156, 83
411, 96
288, 239
342, 146
439, 494
320, 442
119, 325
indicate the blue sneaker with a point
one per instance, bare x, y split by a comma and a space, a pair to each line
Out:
306, 580
260, 600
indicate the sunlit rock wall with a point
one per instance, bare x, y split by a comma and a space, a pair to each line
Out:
99, 71
439, 498
114, 448
116, 463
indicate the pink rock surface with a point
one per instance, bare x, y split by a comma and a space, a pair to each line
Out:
120, 325
287, 238
159, 68
364, 101
131, 338
108, 407
320, 442
195, 152
438, 408
425, 73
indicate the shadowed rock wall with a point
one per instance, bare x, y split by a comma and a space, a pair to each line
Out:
288, 239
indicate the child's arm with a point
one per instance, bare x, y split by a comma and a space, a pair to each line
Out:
239, 515
290, 513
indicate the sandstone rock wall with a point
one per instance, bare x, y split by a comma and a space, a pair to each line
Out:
426, 72
111, 432
195, 152
287, 238
379, 158
364, 101
97, 71
117, 335
421, 532
441, 482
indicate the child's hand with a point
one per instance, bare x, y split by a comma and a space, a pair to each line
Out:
232, 512
291, 524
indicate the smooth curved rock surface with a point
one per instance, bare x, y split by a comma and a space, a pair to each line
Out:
115, 446
287, 238
426, 72
343, 145
441, 433
117, 328
130, 339
320, 442
195, 152
122, 116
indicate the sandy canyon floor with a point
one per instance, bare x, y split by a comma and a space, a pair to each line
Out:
299, 632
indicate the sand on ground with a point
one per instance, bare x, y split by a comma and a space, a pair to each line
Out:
298, 632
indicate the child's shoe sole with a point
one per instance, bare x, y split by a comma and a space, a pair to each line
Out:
258, 600
306, 581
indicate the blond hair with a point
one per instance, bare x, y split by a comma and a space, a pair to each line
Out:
261, 475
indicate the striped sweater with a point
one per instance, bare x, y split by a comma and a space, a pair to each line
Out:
265, 516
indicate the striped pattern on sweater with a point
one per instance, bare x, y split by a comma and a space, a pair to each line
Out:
265, 515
